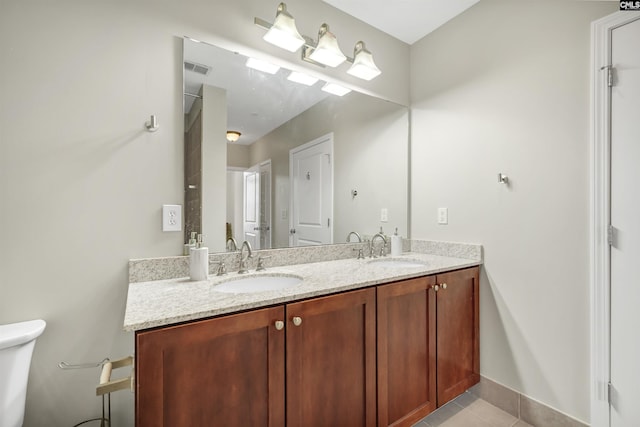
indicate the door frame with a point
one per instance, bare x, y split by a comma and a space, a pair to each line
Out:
600, 213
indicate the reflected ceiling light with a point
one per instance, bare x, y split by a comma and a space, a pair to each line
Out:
302, 78
283, 33
233, 135
327, 51
335, 89
363, 66
260, 65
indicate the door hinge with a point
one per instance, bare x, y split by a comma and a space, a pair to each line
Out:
610, 237
328, 222
609, 387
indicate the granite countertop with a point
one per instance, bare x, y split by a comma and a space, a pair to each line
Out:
164, 302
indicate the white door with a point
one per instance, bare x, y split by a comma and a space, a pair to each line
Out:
625, 218
251, 211
311, 175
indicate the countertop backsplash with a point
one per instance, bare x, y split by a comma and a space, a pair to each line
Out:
149, 269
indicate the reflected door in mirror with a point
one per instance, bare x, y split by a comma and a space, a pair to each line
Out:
312, 192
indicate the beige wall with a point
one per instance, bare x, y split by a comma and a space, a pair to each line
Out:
82, 182
505, 88
370, 155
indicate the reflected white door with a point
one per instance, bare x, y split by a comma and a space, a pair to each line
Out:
311, 175
625, 218
251, 211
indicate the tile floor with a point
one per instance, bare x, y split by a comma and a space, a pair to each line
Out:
469, 410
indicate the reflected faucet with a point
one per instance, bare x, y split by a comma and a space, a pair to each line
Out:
354, 233
232, 245
383, 249
243, 261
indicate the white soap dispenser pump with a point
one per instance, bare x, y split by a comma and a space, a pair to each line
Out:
199, 261
396, 244
190, 244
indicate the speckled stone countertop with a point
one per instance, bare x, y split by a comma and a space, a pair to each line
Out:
164, 302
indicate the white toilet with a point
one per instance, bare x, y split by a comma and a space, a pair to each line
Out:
16, 347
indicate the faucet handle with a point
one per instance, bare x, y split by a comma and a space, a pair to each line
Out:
360, 253
222, 269
260, 266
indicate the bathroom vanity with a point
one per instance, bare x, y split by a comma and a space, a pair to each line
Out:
355, 344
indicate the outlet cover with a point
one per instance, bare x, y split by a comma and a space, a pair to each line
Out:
171, 217
443, 216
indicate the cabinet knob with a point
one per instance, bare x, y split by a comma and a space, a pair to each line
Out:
297, 321
444, 286
279, 325
436, 288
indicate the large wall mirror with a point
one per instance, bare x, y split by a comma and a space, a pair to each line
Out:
307, 168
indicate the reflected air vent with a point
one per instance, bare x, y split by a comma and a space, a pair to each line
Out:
196, 68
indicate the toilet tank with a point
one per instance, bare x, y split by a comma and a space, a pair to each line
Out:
17, 341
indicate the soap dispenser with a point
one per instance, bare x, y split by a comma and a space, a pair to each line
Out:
190, 244
396, 244
199, 261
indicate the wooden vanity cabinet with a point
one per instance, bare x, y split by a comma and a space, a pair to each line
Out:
458, 333
428, 344
230, 371
227, 371
331, 361
406, 351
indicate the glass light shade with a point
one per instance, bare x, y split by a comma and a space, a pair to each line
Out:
283, 33
233, 135
335, 89
302, 78
327, 51
260, 65
363, 66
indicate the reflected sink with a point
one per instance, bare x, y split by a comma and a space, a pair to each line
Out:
263, 283
398, 262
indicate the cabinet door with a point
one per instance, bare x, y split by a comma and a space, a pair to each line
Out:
331, 361
458, 333
406, 351
227, 371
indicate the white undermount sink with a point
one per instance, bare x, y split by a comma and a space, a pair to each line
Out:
258, 283
398, 262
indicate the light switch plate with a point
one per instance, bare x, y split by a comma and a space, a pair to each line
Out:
384, 215
171, 217
443, 216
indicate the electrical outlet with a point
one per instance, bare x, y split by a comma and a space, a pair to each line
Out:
443, 216
284, 214
384, 215
171, 217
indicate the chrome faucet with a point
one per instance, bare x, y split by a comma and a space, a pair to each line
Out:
383, 249
354, 233
243, 261
232, 245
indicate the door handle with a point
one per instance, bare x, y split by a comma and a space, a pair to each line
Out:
292, 231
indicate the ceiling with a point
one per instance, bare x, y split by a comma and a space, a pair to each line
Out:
406, 20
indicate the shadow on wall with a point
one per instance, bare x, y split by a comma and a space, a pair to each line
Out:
494, 311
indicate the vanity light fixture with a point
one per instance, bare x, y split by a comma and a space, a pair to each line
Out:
363, 66
260, 65
233, 135
302, 78
326, 52
323, 52
283, 33
335, 89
